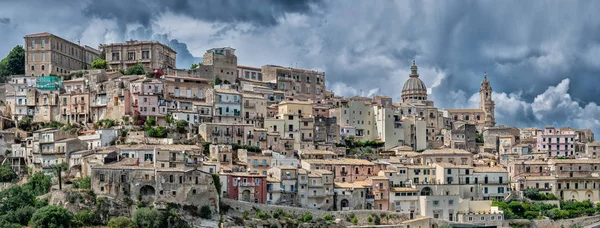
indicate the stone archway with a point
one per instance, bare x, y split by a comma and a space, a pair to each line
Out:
246, 196
344, 203
589, 195
147, 190
426, 191
574, 195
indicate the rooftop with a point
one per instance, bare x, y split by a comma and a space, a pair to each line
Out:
355, 184
341, 161
575, 161
495, 169
315, 152
448, 165
446, 152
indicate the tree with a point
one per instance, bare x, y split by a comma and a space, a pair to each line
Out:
169, 118
13, 63
20, 216
478, 137
15, 197
52, 216
7, 174
205, 212
85, 218
135, 70
121, 222
83, 183
38, 184
99, 64
194, 66
181, 125
146, 218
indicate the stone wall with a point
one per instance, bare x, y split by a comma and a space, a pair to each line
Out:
239, 207
582, 221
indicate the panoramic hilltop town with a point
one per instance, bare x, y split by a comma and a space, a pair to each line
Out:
120, 130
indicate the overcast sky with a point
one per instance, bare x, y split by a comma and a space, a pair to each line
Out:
542, 57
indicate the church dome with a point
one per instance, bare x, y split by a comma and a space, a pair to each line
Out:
414, 88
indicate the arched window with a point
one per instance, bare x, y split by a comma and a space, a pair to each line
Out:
32, 68
43, 68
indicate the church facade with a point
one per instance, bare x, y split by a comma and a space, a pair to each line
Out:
415, 103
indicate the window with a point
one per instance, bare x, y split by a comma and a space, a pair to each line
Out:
436, 203
450, 202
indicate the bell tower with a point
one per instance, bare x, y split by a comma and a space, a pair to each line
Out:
486, 104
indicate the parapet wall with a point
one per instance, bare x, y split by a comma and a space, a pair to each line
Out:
239, 207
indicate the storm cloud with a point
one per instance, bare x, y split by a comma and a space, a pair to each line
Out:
540, 56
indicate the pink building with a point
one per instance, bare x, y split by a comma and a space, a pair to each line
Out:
557, 142
247, 187
147, 97
74, 106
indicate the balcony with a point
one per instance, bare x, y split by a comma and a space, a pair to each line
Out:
344, 173
307, 139
249, 105
227, 133
247, 184
262, 138
193, 97
250, 136
288, 146
239, 134
216, 133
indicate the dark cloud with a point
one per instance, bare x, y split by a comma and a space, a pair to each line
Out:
259, 12
526, 48
4, 20
185, 59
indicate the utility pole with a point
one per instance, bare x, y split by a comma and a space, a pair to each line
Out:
59, 178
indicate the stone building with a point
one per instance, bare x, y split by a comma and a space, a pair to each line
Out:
315, 189
225, 133
47, 54
299, 84
254, 109
461, 136
129, 179
282, 186
223, 62
326, 130
153, 55
352, 196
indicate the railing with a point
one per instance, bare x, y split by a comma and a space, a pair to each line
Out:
216, 133
239, 134
249, 105
307, 139
262, 138
247, 184
227, 133
250, 136
344, 173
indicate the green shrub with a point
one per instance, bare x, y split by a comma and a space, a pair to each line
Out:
307, 217
52, 216
121, 222
205, 212
354, 220
370, 219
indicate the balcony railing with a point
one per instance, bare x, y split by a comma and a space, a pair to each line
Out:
247, 184
216, 133
262, 138
307, 139
249, 105
239, 134
250, 136
227, 133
